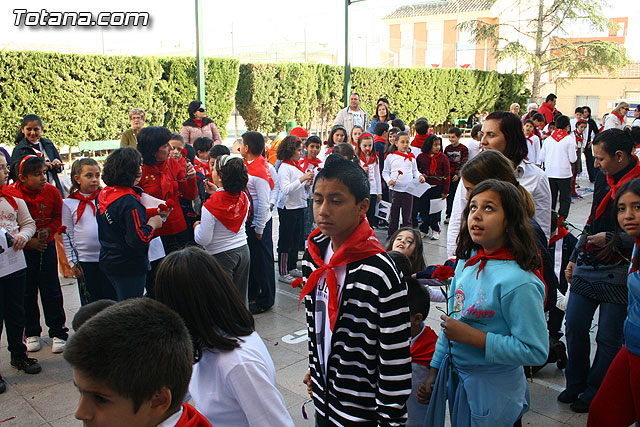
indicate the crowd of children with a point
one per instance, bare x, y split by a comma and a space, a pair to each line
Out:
372, 358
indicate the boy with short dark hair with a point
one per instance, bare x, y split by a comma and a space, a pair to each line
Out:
132, 365
202, 146
380, 141
262, 279
458, 155
356, 308
310, 163
422, 131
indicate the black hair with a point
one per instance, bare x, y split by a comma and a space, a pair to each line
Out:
401, 261
219, 150
538, 117
511, 127
122, 167
203, 144
335, 129
418, 298
255, 141
562, 122
554, 221
383, 99
612, 246
394, 129
422, 126
87, 311
398, 123
346, 172
193, 107
380, 128
150, 139
530, 122
428, 143
579, 110
476, 130
403, 133
26, 119
176, 137
386, 107
457, 132
288, 147
313, 139
518, 233
612, 140
191, 282
345, 150
587, 108
417, 257
31, 166
135, 348
76, 170
234, 175
550, 97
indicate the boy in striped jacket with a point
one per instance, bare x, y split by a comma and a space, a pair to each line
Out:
356, 308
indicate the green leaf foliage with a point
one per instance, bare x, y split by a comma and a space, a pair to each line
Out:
88, 97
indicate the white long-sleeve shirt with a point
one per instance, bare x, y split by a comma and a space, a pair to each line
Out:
393, 164
237, 388
17, 223
558, 156
533, 149
375, 179
215, 237
532, 178
260, 192
273, 196
293, 193
83, 235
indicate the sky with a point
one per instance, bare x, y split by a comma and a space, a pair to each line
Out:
260, 25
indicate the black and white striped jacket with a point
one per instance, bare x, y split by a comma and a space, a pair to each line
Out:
369, 367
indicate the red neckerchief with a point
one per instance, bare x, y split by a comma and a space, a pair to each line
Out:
109, 195
34, 199
407, 156
84, 200
307, 161
370, 159
361, 244
579, 136
296, 165
418, 141
35, 146
198, 122
200, 167
633, 261
561, 232
260, 169
500, 254
4, 192
558, 134
228, 208
378, 138
191, 417
633, 173
162, 172
329, 150
424, 346
621, 118
434, 164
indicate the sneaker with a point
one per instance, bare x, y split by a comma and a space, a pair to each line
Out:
286, 279
3, 385
58, 345
435, 235
33, 344
26, 364
567, 397
424, 235
258, 309
295, 272
580, 406
446, 220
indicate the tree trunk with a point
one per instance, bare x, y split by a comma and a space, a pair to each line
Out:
537, 70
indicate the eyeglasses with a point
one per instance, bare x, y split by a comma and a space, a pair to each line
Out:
135, 118
202, 110
625, 108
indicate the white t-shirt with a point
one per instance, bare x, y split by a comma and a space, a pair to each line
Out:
358, 117
238, 388
323, 324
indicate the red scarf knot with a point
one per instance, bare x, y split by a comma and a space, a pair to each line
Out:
260, 169
368, 157
434, 163
407, 156
306, 161
561, 232
361, 244
482, 258
559, 134
84, 200
296, 165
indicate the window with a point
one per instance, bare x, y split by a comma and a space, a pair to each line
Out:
588, 100
406, 45
435, 42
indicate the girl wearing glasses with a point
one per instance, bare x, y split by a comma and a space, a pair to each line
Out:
199, 125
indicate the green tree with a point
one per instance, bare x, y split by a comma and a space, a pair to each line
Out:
543, 42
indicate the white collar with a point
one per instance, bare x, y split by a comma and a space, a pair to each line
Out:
173, 419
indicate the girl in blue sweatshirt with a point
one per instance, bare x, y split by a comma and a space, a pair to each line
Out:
495, 322
617, 402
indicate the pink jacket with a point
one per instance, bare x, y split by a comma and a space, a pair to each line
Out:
190, 131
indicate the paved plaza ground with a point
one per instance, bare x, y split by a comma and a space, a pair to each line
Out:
50, 398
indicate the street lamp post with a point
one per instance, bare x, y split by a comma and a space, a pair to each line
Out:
200, 52
347, 64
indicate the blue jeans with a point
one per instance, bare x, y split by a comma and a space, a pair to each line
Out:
580, 311
128, 286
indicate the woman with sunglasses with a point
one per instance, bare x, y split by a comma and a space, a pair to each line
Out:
615, 120
199, 125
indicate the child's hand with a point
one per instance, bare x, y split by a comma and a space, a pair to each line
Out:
19, 242
77, 271
195, 224
421, 179
164, 213
455, 178
37, 244
366, 168
155, 222
42, 234
306, 177
210, 187
444, 196
458, 331
392, 182
598, 240
190, 170
426, 388
568, 272
379, 197
307, 381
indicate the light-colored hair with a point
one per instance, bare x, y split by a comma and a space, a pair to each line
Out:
515, 104
619, 107
531, 107
139, 111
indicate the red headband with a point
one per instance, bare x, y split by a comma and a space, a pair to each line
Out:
581, 121
365, 135
24, 159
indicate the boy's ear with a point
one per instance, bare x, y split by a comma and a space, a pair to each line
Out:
161, 402
363, 206
417, 318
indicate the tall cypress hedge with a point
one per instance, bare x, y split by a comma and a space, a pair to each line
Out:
88, 97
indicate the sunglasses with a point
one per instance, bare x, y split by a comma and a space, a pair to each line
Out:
202, 110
